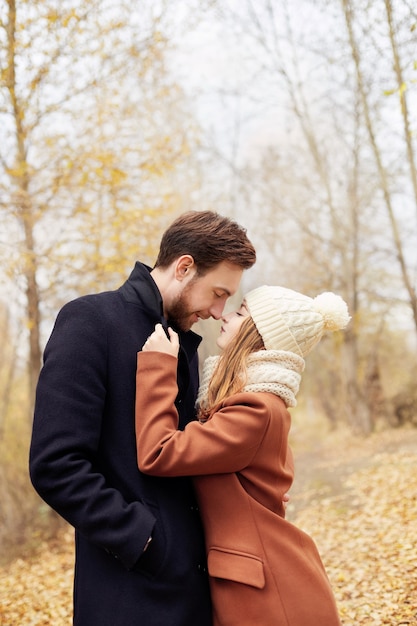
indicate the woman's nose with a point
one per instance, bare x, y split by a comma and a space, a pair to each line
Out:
226, 318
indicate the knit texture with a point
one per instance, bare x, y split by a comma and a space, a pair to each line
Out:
274, 371
288, 320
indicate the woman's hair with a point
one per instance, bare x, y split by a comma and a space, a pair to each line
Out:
229, 376
209, 238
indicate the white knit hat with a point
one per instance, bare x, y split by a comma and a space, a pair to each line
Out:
287, 320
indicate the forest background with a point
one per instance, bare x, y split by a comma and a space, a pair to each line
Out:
297, 119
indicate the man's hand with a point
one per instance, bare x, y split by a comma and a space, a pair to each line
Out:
159, 342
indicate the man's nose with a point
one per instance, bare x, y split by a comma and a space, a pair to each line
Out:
216, 310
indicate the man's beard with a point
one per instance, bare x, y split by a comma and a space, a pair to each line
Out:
179, 313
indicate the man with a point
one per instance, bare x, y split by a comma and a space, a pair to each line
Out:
140, 557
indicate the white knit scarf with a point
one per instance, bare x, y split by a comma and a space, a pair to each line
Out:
276, 371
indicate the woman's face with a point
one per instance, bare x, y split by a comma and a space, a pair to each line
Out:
230, 325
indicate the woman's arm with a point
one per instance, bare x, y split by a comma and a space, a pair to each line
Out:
225, 443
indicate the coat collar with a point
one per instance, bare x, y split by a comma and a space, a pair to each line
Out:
141, 289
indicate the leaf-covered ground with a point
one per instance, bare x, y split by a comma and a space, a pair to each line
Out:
364, 521
357, 498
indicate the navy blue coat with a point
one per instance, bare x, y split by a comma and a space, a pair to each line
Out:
83, 464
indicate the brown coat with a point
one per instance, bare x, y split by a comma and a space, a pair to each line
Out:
263, 570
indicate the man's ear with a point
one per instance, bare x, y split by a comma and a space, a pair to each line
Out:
184, 266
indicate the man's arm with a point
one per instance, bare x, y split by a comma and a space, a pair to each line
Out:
64, 465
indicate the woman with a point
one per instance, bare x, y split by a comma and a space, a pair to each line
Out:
262, 569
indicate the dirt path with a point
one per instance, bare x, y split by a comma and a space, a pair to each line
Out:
323, 468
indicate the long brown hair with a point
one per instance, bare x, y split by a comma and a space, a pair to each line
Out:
229, 376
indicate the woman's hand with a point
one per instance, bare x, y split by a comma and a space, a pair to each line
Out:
285, 500
159, 342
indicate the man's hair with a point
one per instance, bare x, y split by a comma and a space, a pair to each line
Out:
209, 238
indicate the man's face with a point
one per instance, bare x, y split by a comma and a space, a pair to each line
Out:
204, 296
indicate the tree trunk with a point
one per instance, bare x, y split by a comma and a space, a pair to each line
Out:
348, 13
24, 211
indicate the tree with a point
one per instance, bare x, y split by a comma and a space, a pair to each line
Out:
323, 188
96, 139
383, 173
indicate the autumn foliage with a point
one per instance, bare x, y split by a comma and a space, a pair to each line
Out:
356, 497
366, 526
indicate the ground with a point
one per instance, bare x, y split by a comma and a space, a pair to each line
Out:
356, 497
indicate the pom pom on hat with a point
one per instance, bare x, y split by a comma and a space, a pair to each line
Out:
333, 309
288, 320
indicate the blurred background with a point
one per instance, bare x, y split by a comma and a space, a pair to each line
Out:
297, 119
